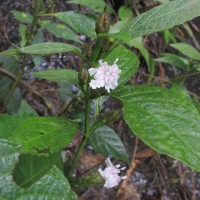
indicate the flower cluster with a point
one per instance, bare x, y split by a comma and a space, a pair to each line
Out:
110, 174
105, 76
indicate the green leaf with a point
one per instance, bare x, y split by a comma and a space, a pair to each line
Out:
128, 62
30, 168
14, 102
58, 75
173, 60
166, 121
26, 109
40, 135
51, 186
8, 123
22, 31
104, 140
187, 50
49, 48
39, 37
10, 64
97, 6
162, 17
138, 44
9, 153
125, 13
11, 52
78, 22
123, 36
23, 17
60, 30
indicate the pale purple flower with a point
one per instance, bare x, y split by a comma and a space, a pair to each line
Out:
105, 76
110, 174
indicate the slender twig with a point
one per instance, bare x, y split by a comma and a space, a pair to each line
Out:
27, 85
87, 133
21, 71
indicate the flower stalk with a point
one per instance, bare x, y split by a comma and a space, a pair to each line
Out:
86, 131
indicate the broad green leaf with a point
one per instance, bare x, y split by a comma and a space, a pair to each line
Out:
30, 168
10, 64
23, 17
49, 48
78, 22
51, 186
58, 75
125, 13
9, 153
128, 62
162, 17
40, 135
97, 6
187, 50
60, 30
8, 124
166, 121
104, 140
173, 60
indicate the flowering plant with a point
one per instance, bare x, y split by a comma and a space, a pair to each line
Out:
105, 76
31, 145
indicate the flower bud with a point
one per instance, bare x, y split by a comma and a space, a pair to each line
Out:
103, 23
94, 178
83, 76
89, 50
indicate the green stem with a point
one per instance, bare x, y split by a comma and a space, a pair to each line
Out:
86, 136
10, 93
18, 79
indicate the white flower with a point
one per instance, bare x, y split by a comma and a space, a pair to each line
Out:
105, 76
110, 174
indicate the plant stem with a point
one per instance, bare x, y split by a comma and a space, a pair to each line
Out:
86, 136
7, 73
21, 71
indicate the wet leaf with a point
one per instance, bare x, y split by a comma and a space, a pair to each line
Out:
58, 75
49, 48
79, 22
166, 121
30, 168
104, 140
163, 17
51, 186
97, 6
40, 135
60, 31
